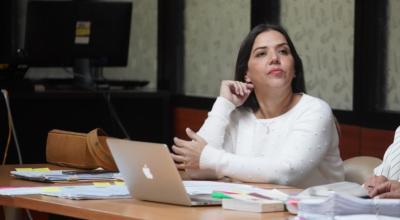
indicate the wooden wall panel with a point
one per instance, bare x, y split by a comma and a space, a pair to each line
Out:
349, 142
374, 142
188, 117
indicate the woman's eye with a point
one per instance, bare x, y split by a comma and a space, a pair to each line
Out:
284, 51
260, 54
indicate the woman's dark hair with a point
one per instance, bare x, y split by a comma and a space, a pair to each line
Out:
244, 56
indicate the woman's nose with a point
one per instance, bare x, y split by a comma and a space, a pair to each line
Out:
273, 58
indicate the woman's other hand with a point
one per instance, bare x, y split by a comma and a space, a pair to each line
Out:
235, 91
187, 153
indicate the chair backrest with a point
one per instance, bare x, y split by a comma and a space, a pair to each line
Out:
358, 169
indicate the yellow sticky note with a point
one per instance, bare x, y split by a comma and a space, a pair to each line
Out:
23, 169
44, 169
82, 28
119, 183
101, 184
51, 189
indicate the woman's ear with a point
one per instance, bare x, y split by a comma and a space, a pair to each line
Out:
247, 79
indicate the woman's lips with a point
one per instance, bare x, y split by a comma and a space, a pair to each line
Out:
275, 72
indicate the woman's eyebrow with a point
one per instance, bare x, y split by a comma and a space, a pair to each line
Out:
265, 47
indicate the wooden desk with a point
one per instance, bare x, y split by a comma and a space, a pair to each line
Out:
120, 209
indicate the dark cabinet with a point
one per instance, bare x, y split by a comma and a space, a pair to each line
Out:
145, 116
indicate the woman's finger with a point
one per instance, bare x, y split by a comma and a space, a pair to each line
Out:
177, 158
180, 166
180, 142
194, 136
191, 134
239, 88
178, 150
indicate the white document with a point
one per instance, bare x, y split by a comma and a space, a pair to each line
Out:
58, 175
120, 190
17, 191
345, 188
71, 192
338, 204
365, 217
91, 192
207, 187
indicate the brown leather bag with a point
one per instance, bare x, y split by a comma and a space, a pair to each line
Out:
79, 150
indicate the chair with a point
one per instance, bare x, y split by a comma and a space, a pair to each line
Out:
358, 169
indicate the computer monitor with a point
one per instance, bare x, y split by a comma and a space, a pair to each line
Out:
6, 35
12, 67
83, 34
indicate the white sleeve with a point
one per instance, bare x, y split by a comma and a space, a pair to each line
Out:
303, 149
214, 128
213, 131
390, 167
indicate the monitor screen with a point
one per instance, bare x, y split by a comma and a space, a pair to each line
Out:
12, 66
77, 33
5, 36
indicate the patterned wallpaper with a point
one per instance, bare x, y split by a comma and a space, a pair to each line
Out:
213, 32
393, 58
323, 33
142, 61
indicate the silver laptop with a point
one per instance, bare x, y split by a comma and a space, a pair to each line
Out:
150, 173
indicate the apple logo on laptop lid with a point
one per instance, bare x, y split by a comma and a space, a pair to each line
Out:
147, 172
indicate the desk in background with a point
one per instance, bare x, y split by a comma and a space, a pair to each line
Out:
146, 116
121, 209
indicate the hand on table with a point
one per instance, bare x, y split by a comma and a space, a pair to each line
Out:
186, 153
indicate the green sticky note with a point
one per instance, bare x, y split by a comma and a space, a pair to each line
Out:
220, 195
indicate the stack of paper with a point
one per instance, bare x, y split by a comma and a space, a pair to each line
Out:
208, 187
344, 188
18, 191
106, 191
58, 175
91, 192
339, 204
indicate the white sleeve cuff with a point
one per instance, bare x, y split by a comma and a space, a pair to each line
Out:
222, 106
209, 158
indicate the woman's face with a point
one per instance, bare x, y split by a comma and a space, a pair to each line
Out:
271, 64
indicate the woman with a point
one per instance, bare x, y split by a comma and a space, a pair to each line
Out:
262, 127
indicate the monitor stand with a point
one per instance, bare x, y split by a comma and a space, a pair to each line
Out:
84, 76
